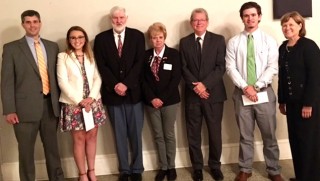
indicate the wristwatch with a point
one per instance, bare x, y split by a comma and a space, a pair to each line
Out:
256, 88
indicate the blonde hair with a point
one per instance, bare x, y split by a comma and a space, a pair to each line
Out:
156, 28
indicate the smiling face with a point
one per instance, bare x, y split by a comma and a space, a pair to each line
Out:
291, 29
77, 40
32, 26
250, 19
199, 23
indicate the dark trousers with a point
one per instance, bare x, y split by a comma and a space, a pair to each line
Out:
304, 137
127, 123
26, 133
212, 114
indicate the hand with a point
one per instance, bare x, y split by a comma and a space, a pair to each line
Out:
282, 108
120, 89
306, 112
12, 118
86, 102
204, 95
87, 108
156, 103
250, 93
201, 90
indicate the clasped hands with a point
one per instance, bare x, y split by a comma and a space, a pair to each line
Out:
86, 103
156, 103
201, 90
120, 89
250, 93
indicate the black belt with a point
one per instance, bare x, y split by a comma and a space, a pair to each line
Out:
46, 96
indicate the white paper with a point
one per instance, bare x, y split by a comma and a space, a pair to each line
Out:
262, 98
167, 66
88, 119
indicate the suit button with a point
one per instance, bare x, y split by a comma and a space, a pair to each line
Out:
121, 72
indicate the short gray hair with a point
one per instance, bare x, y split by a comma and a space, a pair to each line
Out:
117, 8
199, 10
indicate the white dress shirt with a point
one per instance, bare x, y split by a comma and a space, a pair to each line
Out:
266, 58
116, 38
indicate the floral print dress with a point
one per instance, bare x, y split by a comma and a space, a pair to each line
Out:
71, 117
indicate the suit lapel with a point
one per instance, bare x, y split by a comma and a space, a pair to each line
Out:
205, 48
26, 50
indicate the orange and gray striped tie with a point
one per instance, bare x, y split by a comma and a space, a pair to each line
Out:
42, 69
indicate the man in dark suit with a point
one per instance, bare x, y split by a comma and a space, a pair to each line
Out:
119, 53
203, 66
30, 98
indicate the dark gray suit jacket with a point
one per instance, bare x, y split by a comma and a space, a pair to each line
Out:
211, 69
21, 87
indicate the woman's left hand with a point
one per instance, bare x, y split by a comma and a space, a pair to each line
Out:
86, 102
306, 112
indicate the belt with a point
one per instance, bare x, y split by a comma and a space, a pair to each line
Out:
46, 96
263, 88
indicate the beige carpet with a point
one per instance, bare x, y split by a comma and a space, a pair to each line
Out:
229, 171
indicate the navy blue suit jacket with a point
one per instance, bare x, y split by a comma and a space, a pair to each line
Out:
114, 69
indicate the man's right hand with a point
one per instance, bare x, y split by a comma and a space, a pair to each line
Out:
12, 118
251, 93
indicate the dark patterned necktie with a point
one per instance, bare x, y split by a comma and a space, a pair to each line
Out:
119, 46
155, 67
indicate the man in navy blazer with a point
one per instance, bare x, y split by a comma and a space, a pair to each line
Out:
119, 53
25, 105
203, 65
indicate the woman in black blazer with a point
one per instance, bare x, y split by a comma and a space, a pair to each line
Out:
162, 74
298, 91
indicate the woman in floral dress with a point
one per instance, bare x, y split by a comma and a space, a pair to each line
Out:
80, 83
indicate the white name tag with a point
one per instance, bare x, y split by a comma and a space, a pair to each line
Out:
167, 66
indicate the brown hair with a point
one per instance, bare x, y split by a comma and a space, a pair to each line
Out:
30, 13
297, 18
86, 47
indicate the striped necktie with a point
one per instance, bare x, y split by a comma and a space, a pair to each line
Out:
42, 69
119, 45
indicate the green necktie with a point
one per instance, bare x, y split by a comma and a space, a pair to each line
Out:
251, 65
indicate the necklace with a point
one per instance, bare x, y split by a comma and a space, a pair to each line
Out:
79, 55
287, 48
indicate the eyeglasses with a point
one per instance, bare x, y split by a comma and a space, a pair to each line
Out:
199, 20
73, 38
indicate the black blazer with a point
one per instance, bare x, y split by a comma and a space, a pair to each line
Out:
113, 69
211, 70
302, 65
166, 88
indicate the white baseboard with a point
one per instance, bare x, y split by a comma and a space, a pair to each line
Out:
107, 164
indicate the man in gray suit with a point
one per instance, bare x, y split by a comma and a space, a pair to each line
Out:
203, 66
30, 100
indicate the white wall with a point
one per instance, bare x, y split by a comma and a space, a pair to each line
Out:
59, 15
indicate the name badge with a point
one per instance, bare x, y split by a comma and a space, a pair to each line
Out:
167, 66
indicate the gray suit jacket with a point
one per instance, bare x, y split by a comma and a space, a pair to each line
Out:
211, 69
21, 87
